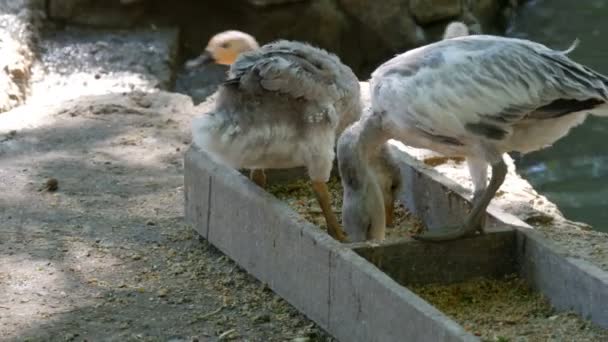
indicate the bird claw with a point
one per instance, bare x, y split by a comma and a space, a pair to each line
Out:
339, 235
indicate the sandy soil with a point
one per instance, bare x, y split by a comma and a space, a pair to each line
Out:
107, 255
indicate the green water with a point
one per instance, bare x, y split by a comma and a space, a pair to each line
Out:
573, 173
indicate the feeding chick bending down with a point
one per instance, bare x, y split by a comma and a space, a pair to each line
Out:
282, 106
386, 174
475, 96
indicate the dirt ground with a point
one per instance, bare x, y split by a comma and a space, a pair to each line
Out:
107, 256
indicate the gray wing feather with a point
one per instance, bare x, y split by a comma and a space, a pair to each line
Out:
499, 83
560, 86
292, 69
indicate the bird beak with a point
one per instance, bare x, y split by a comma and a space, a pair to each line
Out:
204, 59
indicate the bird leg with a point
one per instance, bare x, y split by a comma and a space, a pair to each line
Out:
258, 177
476, 218
389, 208
477, 198
333, 227
388, 176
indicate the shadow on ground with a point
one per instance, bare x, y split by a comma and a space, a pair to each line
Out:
108, 255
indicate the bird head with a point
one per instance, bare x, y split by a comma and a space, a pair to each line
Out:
224, 48
363, 212
455, 29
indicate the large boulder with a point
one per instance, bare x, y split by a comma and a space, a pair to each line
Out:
486, 12
428, 11
271, 2
107, 13
379, 29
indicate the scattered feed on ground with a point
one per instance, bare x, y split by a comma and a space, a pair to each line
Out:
507, 310
299, 196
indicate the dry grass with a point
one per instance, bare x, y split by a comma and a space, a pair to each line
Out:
300, 197
507, 310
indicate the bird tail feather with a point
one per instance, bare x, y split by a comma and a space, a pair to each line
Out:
572, 47
601, 110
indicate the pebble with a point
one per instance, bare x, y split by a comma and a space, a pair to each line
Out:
301, 339
262, 318
52, 184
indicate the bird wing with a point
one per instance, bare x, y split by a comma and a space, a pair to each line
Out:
486, 86
291, 69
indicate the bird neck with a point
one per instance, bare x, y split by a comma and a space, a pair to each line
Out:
371, 135
357, 148
372, 142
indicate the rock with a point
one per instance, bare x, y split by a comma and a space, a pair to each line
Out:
13, 70
389, 20
271, 2
471, 21
16, 6
201, 82
428, 11
483, 8
486, 12
51, 185
363, 33
384, 28
261, 318
97, 13
94, 62
301, 339
18, 32
320, 22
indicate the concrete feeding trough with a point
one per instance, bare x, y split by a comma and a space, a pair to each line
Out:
358, 292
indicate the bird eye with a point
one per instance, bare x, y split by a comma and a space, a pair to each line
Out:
225, 45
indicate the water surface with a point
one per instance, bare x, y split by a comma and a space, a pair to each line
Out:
573, 173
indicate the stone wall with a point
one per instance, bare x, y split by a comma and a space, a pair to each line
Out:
362, 32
